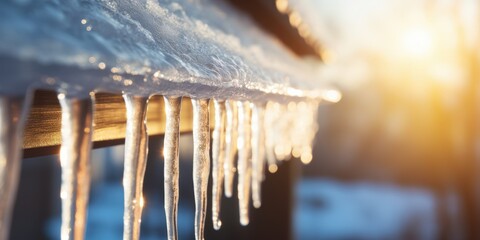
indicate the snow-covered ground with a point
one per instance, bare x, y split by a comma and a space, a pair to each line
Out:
327, 209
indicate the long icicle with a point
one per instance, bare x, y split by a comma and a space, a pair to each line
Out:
230, 145
77, 129
218, 155
201, 162
136, 148
269, 141
258, 153
244, 160
13, 113
171, 169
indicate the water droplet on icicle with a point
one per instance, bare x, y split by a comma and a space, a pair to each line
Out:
171, 169
231, 135
12, 120
218, 155
136, 148
244, 160
201, 162
77, 124
258, 153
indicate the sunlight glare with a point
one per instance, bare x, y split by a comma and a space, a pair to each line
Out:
417, 42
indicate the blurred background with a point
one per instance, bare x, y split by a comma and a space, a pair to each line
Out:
397, 157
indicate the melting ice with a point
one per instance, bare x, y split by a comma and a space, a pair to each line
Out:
171, 168
13, 112
201, 162
218, 155
136, 148
77, 129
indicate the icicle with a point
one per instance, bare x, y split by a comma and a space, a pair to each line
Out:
218, 155
231, 145
244, 160
13, 112
307, 129
283, 130
201, 162
269, 137
258, 153
77, 129
171, 169
136, 148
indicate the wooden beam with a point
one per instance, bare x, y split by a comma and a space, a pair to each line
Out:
42, 132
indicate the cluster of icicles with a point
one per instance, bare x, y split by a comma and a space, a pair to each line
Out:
261, 134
